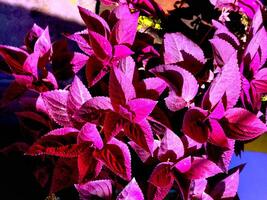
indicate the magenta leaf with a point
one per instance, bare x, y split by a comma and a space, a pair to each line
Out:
31, 64
56, 104
89, 133
32, 36
141, 108
131, 191
175, 43
43, 44
64, 175
227, 188
183, 165
162, 175
127, 66
141, 134
101, 46
150, 88
240, 124
121, 89
121, 51
93, 189
113, 124
227, 82
78, 95
14, 57
217, 135
183, 85
195, 124
93, 110
94, 22
222, 51
125, 29
116, 156
62, 131
202, 168
171, 147
58, 145
78, 61
88, 166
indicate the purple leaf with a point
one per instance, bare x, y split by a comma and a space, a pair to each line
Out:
121, 51
62, 131
101, 46
78, 95
64, 175
227, 188
88, 166
141, 134
175, 43
227, 82
32, 36
217, 135
260, 81
14, 57
121, 89
195, 125
222, 32
31, 64
183, 85
125, 29
78, 61
222, 51
184, 165
113, 124
151, 88
141, 108
56, 104
202, 168
93, 189
43, 43
89, 133
82, 40
162, 175
93, 110
116, 156
171, 147
94, 22
131, 191
58, 145
127, 66
240, 124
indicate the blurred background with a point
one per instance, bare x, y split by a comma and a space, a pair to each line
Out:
16, 178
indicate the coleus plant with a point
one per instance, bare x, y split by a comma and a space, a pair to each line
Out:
160, 115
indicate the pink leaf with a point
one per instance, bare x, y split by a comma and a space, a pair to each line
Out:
62, 131
78, 95
121, 89
217, 135
121, 51
93, 189
94, 22
131, 191
93, 110
183, 85
240, 124
227, 188
56, 104
89, 133
78, 61
195, 126
127, 66
202, 168
101, 46
171, 147
141, 134
175, 43
124, 30
116, 156
14, 57
162, 175
88, 166
141, 108
184, 165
